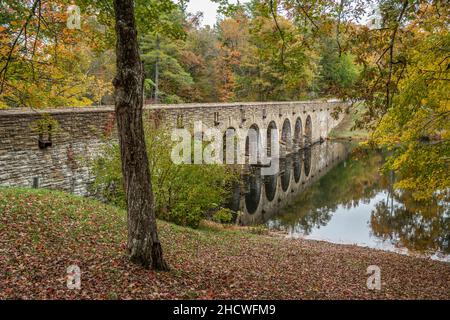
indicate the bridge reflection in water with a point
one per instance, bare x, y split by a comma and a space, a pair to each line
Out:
262, 197
329, 193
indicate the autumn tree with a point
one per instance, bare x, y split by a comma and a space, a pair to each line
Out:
275, 63
416, 124
199, 57
44, 64
143, 242
402, 52
162, 56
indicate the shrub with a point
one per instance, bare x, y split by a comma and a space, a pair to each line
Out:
223, 215
259, 229
183, 193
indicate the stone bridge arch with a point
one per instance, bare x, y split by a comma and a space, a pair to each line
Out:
270, 187
230, 146
309, 122
271, 129
253, 193
308, 132
252, 144
286, 138
298, 134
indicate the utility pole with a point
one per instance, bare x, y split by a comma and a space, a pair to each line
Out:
157, 69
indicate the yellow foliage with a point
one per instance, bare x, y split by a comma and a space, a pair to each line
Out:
417, 126
52, 72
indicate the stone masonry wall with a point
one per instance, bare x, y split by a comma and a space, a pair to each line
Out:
78, 134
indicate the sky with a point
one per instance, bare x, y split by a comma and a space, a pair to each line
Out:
208, 8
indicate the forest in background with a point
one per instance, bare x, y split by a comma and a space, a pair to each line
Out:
393, 55
255, 52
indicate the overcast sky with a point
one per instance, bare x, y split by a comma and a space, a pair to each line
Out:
208, 8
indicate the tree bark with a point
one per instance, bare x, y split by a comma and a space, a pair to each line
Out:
144, 247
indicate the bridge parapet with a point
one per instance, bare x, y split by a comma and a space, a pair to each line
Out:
53, 156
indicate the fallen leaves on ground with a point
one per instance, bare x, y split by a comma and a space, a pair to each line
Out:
43, 232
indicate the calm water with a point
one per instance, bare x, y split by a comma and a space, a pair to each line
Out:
344, 199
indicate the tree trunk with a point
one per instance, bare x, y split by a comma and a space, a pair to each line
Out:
143, 244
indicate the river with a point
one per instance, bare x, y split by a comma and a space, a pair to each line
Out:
335, 192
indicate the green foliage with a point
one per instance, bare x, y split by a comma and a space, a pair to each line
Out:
274, 62
151, 15
338, 72
183, 193
348, 128
44, 64
422, 168
46, 124
108, 176
223, 215
199, 58
175, 82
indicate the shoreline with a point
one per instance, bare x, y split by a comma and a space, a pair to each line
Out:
282, 235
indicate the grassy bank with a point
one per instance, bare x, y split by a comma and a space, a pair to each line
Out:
43, 232
345, 130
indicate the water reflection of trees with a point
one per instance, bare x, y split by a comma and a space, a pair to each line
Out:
398, 218
413, 225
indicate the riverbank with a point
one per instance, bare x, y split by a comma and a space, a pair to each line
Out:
43, 232
346, 130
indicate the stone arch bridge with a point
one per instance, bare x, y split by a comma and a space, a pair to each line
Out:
298, 123
50, 148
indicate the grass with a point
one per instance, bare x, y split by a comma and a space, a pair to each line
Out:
345, 130
43, 232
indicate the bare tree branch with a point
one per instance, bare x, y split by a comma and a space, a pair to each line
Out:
302, 8
391, 53
280, 31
